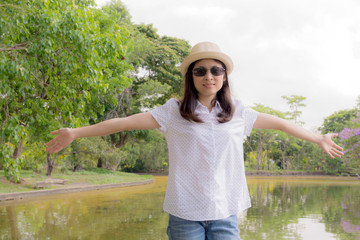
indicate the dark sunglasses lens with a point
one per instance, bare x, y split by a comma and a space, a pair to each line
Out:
217, 71
199, 72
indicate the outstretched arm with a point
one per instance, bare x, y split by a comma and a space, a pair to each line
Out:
65, 136
266, 121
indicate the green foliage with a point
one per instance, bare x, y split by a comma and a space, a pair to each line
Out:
35, 156
156, 76
150, 90
11, 166
270, 149
59, 63
146, 155
357, 105
89, 150
350, 140
72, 65
295, 102
157, 59
118, 12
262, 144
337, 121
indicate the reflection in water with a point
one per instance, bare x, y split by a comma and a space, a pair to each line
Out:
297, 208
350, 217
283, 208
311, 227
125, 213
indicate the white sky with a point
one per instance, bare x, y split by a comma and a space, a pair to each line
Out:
279, 47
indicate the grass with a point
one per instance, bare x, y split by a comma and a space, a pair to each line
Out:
283, 172
93, 176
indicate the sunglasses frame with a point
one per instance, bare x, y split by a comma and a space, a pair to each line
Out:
213, 70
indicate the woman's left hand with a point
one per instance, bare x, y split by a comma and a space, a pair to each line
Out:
329, 147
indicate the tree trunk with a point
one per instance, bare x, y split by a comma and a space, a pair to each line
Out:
116, 165
283, 159
259, 153
18, 149
50, 164
77, 167
100, 163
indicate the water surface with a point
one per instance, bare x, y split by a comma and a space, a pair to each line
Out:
283, 208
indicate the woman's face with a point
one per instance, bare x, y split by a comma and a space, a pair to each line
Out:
209, 84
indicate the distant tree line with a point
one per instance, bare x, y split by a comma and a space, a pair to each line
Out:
275, 150
68, 64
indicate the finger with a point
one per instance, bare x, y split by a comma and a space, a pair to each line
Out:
53, 149
333, 135
336, 155
51, 142
55, 132
50, 149
339, 155
338, 147
336, 152
330, 154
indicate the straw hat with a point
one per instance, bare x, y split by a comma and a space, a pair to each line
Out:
204, 50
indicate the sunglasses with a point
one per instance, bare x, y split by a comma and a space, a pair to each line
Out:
215, 71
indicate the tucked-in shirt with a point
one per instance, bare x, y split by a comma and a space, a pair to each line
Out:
206, 161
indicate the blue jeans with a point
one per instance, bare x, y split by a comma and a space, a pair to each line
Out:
181, 229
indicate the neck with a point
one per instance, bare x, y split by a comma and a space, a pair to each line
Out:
207, 102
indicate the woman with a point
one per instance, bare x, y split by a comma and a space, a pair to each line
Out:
205, 132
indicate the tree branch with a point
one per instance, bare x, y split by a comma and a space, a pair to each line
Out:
42, 84
12, 48
19, 46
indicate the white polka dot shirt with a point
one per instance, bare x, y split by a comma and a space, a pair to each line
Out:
206, 161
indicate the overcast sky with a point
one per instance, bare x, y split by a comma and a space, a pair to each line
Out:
279, 47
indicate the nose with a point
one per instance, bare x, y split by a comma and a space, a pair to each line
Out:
208, 74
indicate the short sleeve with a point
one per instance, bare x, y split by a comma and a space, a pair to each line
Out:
162, 113
250, 116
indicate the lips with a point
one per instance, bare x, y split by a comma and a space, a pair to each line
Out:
209, 85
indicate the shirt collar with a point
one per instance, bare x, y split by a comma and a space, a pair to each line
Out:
201, 108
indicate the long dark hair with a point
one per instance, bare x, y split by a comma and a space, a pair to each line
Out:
189, 102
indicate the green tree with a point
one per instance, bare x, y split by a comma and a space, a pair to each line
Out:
357, 106
150, 154
337, 121
155, 77
158, 59
295, 102
350, 140
58, 65
264, 148
91, 149
261, 142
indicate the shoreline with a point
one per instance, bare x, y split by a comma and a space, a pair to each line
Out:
8, 197
284, 173
295, 173
265, 173
4, 197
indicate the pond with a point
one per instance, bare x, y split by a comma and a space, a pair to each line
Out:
283, 208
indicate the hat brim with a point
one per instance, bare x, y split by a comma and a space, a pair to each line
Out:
206, 55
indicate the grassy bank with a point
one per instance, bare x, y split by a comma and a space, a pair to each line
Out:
253, 172
95, 176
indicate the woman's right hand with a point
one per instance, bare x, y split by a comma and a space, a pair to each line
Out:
64, 138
